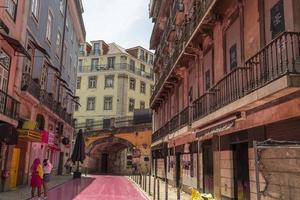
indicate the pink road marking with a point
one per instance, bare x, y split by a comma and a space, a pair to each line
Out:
111, 188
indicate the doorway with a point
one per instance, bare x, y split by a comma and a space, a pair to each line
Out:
14, 167
208, 167
178, 170
104, 163
241, 171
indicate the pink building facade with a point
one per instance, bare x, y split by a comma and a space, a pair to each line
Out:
227, 79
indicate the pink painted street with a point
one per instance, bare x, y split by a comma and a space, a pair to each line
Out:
97, 187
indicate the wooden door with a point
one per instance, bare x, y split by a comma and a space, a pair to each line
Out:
14, 167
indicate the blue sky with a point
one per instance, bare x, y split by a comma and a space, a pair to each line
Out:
125, 22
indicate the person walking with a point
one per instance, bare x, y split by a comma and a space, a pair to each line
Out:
36, 177
68, 166
47, 171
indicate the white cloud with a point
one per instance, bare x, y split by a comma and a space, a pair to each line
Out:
113, 20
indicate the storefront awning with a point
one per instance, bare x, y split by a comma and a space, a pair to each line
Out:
15, 44
8, 134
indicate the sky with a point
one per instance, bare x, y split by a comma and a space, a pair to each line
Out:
125, 22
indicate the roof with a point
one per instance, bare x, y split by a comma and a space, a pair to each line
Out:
115, 49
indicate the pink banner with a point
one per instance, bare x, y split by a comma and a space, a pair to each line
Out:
45, 137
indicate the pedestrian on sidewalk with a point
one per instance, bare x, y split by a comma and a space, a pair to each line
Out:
47, 171
68, 166
36, 177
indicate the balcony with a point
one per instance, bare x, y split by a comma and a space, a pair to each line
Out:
179, 121
197, 14
116, 67
281, 57
9, 106
115, 125
34, 89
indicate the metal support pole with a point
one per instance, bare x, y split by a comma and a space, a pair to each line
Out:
158, 189
256, 169
154, 187
178, 193
149, 184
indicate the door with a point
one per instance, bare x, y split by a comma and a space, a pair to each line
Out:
14, 167
104, 163
178, 170
208, 168
241, 171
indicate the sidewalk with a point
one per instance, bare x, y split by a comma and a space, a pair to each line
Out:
161, 195
24, 192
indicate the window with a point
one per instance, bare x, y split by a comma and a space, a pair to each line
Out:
233, 57
78, 83
92, 81
132, 65
131, 105
151, 74
142, 69
95, 62
146, 57
207, 79
151, 60
91, 103
49, 26
80, 67
76, 106
109, 81
89, 123
81, 49
58, 43
35, 5
3, 79
277, 19
108, 103
151, 89
43, 80
142, 105
132, 84
111, 62
96, 47
142, 54
143, 87
61, 6
12, 8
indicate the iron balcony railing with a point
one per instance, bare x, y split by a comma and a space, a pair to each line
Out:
9, 106
198, 12
180, 120
109, 124
280, 57
45, 98
115, 67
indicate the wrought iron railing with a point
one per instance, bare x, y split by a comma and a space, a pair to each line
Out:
33, 88
199, 11
9, 106
280, 57
178, 121
115, 67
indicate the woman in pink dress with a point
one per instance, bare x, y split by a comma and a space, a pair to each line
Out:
36, 177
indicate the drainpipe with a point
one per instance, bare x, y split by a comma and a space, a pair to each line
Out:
62, 48
60, 167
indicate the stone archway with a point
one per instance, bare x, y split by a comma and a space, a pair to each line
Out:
109, 155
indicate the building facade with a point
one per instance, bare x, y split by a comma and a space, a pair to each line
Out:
226, 92
43, 81
111, 82
12, 49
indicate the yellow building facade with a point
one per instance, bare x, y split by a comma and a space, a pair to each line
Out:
112, 82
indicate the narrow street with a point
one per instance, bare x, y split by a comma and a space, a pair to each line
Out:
97, 187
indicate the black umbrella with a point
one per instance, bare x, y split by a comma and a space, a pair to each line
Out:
78, 154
